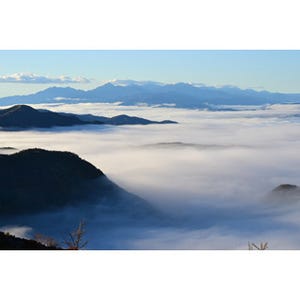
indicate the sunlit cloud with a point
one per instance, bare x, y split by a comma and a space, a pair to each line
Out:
18, 231
39, 79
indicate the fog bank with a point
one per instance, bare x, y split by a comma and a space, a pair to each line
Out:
212, 171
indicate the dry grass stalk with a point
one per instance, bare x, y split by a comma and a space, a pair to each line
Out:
262, 246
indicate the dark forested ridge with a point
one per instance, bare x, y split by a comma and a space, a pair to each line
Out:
37, 180
10, 242
24, 116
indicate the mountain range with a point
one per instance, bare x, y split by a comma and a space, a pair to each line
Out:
24, 116
132, 92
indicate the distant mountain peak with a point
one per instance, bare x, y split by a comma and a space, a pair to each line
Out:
60, 88
153, 93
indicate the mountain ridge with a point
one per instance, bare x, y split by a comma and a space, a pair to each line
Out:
182, 94
24, 116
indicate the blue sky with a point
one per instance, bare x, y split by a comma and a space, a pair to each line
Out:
269, 70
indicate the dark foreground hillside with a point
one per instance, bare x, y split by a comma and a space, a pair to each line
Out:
37, 180
10, 242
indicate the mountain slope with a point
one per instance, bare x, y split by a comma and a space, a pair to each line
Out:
37, 180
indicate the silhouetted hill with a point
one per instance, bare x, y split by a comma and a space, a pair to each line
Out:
121, 120
10, 242
285, 188
37, 180
24, 116
285, 194
127, 120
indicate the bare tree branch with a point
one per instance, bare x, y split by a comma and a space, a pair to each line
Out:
75, 241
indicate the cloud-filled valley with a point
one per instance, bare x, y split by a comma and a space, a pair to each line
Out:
210, 173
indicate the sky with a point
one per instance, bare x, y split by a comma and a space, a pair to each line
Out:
277, 71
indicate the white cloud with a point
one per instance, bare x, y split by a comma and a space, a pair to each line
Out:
39, 79
217, 190
66, 99
18, 231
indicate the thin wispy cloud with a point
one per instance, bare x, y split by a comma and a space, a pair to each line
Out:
40, 79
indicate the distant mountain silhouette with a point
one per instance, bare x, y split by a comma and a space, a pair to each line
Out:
128, 120
24, 116
120, 120
7, 148
37, 180
285, 194
132, 92
286, 188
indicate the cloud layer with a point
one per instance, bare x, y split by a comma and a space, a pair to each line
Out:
39, 79
214, 187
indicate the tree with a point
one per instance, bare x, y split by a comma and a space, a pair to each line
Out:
75, 241
46, 240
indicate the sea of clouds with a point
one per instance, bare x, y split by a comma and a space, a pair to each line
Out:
211, 172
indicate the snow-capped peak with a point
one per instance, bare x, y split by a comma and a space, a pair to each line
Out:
127, 82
